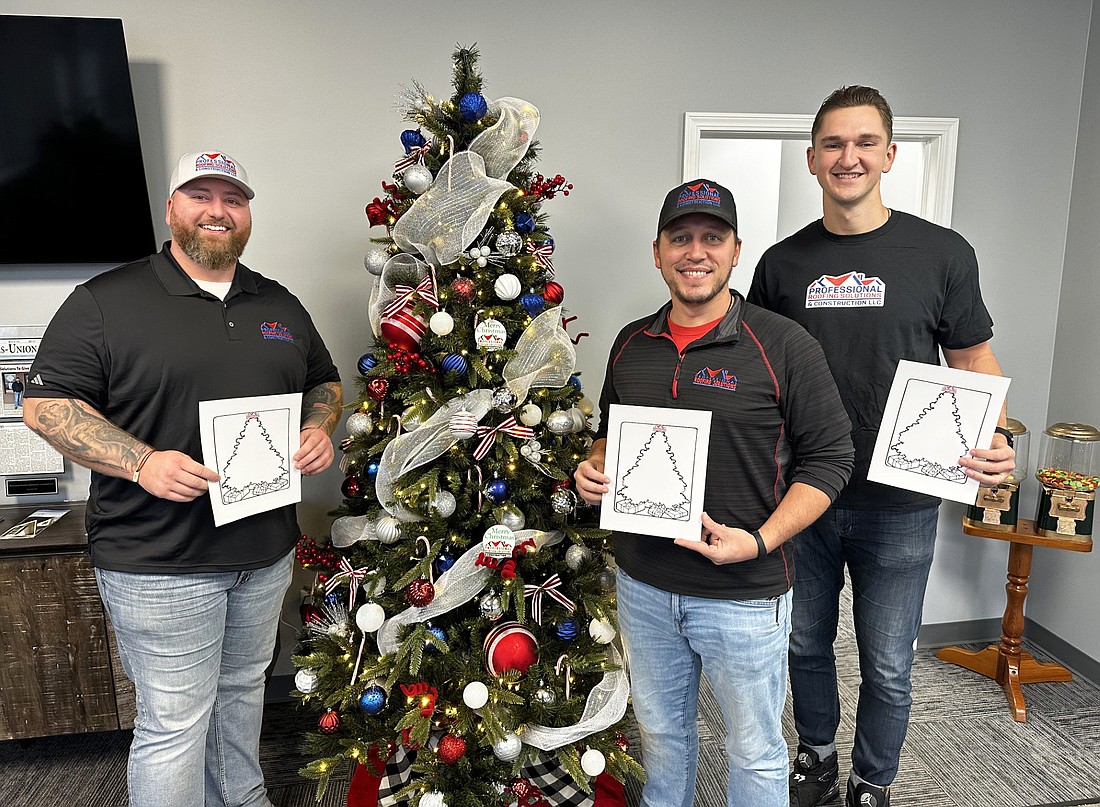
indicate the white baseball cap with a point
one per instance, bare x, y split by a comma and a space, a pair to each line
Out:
209, 164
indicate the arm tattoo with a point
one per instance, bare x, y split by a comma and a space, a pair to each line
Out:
86, 437
321, 407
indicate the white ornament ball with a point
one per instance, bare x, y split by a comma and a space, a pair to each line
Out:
486, 251
417, 178
576, 555
586, 405
444, 503
475, 695
441, 323
375, 261
482, 262
339, 630
463, 424
370, 617
559, 422
359, 423
512, 518
509, 748
433, 798
388, 529
580, 420
593, 762
530, 414
475, 253
507, 287
601, 631
305, 680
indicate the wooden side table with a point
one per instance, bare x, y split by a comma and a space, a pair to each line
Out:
1006, 663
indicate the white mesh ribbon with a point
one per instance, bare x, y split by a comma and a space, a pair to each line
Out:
413, 449
402, 266
455, 588
605, 706
545, 356
348, 530
447, 217
505, 142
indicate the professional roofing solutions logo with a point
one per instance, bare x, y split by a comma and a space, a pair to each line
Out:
699, 194
853, 290
276, 330
719, 379
216, 161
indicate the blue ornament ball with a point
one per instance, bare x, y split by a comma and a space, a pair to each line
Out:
437, 633
532, 302
567, 630
373, 699
411, 138
372, 470
472, 107
497, 491
333, 598
575, 380
524, 223
549, 242
455, 363
366, 363
443, 561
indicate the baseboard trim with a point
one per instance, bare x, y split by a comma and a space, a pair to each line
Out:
1067, 655
971, 631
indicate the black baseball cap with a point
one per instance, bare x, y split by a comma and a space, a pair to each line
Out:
698, 196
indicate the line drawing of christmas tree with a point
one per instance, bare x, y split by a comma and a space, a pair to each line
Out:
933, 441
255, 466
653, 484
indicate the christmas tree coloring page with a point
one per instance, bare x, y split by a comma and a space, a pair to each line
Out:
656, 459
934, 416
250, 442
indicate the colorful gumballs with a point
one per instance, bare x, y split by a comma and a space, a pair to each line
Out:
455, 363
510, 646
419, 593
329, 723
554, 293
366, 363
451, 749
373, 700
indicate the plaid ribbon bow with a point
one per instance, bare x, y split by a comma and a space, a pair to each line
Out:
549, 587
415, 155
542, 253
352, 575
403, 293
488, 435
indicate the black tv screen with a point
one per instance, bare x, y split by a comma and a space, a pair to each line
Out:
72, 181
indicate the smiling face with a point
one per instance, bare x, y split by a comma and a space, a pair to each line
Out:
696, 254
211, 221
849, 155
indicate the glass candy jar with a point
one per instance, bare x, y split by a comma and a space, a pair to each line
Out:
1068, 468
999, 508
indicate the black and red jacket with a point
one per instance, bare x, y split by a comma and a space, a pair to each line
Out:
776, 419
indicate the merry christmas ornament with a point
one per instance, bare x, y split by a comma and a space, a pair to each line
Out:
490, 335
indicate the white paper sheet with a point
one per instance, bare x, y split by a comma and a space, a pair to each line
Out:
657, 461
249, 442
935, 415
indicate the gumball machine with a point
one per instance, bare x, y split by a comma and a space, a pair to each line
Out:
999, 508
1068, 468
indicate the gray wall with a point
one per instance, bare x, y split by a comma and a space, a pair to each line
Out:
304, 94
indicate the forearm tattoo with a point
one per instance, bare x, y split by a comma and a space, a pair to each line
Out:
321, 407
86, 437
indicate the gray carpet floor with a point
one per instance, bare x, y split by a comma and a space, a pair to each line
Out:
963, 749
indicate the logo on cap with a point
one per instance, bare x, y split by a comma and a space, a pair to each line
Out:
215, 162
699, 194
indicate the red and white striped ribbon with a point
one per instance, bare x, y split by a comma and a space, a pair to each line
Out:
416, 155
352, 575
549, 587
403, 293
542, 253
488, 435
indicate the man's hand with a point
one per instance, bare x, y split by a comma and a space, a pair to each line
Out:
316, 453
722, 544
592, 482
175, 476
990, 466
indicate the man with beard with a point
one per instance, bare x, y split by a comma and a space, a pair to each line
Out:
779, 453
115, 387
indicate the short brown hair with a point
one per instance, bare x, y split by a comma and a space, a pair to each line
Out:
855, 95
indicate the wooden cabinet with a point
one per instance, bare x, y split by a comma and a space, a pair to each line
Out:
59, 666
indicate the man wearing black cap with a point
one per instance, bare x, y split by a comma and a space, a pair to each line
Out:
115, 386
779, 453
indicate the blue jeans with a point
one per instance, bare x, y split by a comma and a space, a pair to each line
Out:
888, 555
741, 646
196, 647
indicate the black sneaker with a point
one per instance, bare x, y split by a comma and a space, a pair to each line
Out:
814, 781
867, 795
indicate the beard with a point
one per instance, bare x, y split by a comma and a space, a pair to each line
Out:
218, 256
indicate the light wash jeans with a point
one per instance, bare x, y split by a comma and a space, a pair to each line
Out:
888, 555
741, 645
196, 647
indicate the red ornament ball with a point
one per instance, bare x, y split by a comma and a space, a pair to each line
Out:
351, 487
377, 388
403, 329
419, 593
622, 741
310, 613
510, 646
520, 787
553, 293
451, 748
329, 723
463, 288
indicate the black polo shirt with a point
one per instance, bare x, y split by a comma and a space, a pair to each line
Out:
143, 344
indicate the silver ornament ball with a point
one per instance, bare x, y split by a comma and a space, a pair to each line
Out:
544, 695
512, 518
563, 501
576, 555
490, 606
417, 178
388, 529
359, 423
444, 503
509, 243
504, 400
530, 415
375, 261
508, 749
559, 422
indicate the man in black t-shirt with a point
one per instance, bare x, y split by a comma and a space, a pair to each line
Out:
115, 386
874, 286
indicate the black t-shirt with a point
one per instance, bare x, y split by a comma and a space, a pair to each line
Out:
901, 291
143, 344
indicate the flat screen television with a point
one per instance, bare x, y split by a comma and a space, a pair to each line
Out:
72, 181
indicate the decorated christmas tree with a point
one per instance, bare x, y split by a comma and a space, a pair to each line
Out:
459, 636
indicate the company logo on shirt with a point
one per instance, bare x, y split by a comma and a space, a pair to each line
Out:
276, 330
701, 193
853, 290
720, 379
